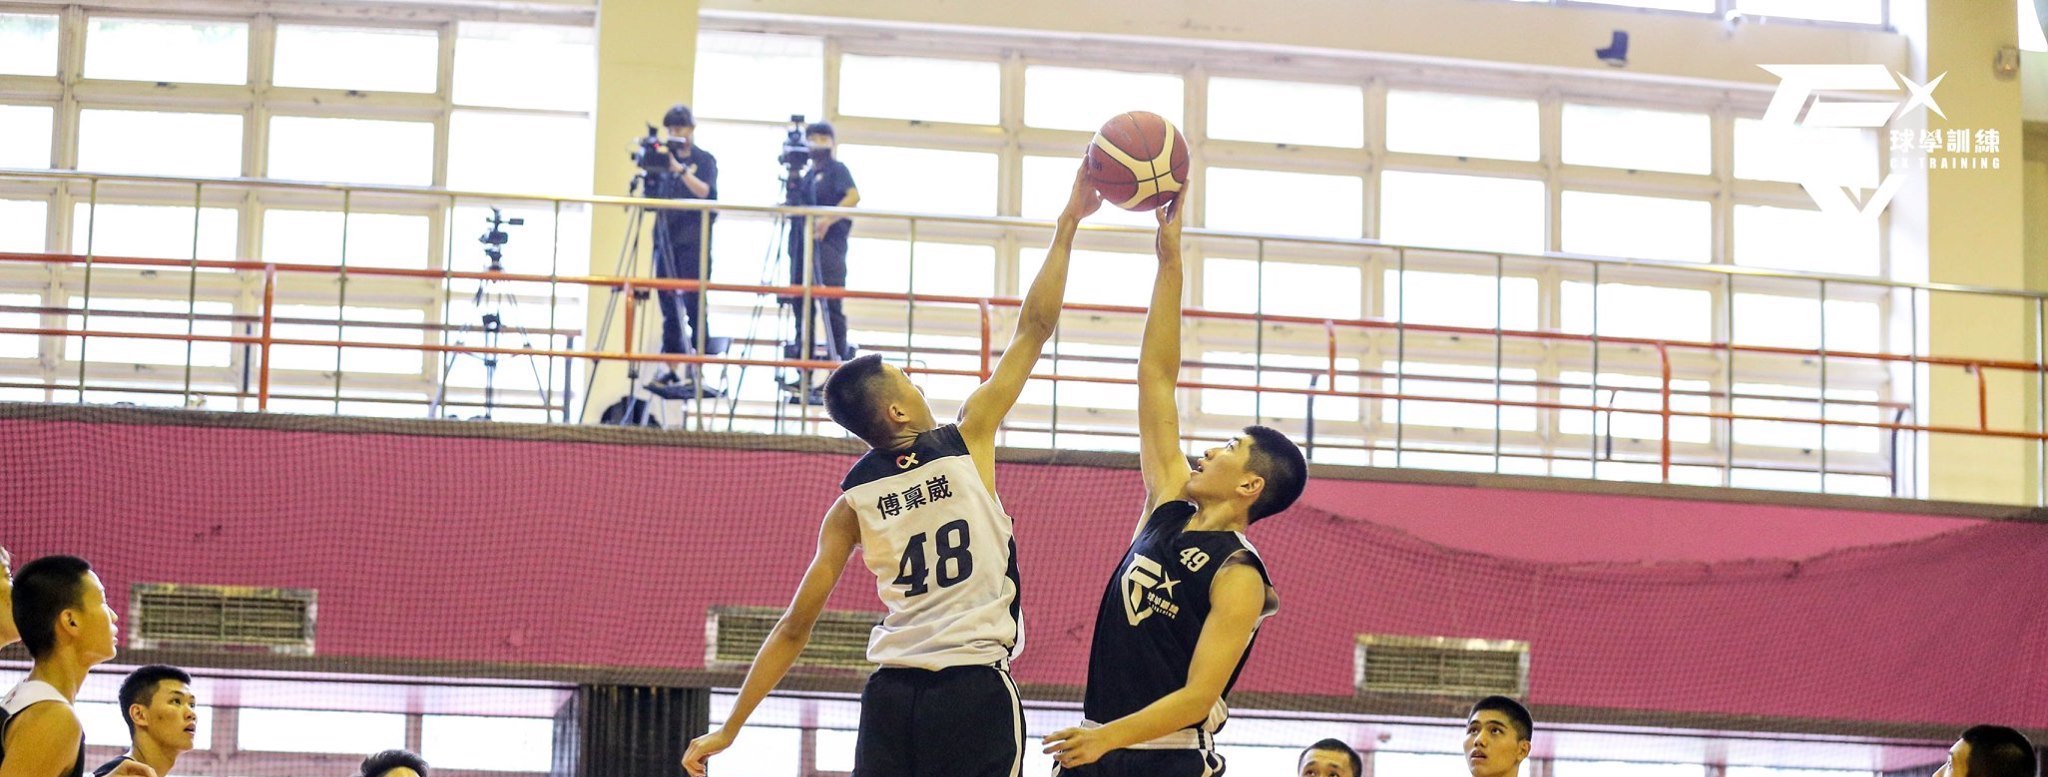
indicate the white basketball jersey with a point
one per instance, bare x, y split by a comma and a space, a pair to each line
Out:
943, 555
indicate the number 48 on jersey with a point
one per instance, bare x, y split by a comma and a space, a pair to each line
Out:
955, 562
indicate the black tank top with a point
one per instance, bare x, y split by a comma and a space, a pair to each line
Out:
1152, 614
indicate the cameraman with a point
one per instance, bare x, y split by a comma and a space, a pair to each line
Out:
827, 182
681, 239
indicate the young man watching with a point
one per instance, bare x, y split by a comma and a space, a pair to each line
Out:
1497, 733
923, 509
1181, 611
1990, 751
61, 609
162, 719
1330, 758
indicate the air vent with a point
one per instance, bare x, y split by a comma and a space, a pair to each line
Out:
222, 617
839, 640
1441, 666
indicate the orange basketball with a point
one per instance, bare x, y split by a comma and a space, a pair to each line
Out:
1138, 161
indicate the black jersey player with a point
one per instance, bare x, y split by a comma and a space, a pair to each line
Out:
1182, 609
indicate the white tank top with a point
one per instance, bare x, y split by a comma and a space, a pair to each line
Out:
25, 694
943, 555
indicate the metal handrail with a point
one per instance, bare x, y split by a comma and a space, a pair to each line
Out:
1003, 221
1665, 412
1616, 270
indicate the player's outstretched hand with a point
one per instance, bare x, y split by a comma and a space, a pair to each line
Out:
1083, 200
1073, 747
1169, 224
133, 769
701, 750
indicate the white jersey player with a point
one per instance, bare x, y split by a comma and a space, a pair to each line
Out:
922, 506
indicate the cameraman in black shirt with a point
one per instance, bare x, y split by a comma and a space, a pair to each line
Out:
681, 242
826, 182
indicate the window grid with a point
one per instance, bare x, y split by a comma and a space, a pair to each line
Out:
1018, 141
257, 103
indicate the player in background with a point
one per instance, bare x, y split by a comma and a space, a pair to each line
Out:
163, 719
61, 609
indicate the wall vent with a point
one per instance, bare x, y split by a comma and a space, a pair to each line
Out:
221, 617
1441, 666
839, 640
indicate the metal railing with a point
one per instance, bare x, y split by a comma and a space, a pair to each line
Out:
1340, 343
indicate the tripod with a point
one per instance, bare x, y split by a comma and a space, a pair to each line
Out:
492, 307
635, 405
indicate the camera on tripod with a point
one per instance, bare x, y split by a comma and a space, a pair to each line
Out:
495, 237
796, 151
653, 154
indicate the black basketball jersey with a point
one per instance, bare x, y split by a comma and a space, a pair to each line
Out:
1152, 614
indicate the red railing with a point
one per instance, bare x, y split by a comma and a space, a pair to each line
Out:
1330, 327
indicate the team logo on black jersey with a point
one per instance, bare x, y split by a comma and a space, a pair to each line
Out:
1147, 590
906, 461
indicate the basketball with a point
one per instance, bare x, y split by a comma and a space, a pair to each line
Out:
1138, 161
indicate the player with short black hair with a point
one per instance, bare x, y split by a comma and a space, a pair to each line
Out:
1329, 758
1990, 751
1183, 608
393, 763
162, 717
851, 396
1497, 737
922, 507
61, 609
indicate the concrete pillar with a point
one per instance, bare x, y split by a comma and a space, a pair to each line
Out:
1972, 225
646, 50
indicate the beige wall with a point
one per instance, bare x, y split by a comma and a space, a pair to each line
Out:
645, 49
1481, 30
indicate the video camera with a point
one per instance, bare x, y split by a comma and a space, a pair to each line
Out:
653, 155
495, 237
796, 151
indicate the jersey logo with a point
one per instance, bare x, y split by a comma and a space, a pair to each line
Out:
1144, 582
906, 461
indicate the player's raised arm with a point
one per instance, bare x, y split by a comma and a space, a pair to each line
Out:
836, 538
1160, 458
984, 410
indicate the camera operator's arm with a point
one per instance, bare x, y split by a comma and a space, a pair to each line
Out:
842, 181
851, 199
698, 177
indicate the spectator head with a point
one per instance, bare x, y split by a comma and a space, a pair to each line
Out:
1497, 737
1329, 758
59, 604
822, 138
159, 705
1990, 751
393, 763
678, 117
